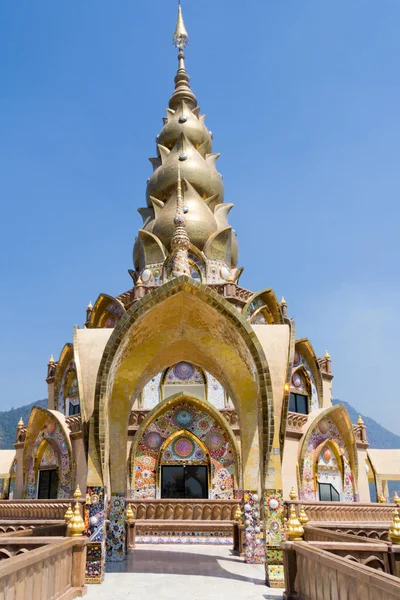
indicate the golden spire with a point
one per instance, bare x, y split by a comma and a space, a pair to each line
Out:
359, 420
294, 529
283, 301
182, 88
394, 529
20, 423
327, 355
180, 240
293, 494
51, 360
129, 512
90, 306
181, 37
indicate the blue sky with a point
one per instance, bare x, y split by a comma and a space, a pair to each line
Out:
303, 100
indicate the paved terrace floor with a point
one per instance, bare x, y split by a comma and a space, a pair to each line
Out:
183, 572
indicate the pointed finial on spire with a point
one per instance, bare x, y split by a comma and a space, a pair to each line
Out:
327, 355
359, 420
182, 87
181, 38
90, 306
283, 301
20, 423
180, 240
51, 360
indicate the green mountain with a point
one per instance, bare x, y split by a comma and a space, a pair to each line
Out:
9, 421
378, 436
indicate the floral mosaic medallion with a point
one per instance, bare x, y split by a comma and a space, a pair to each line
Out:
253, 538
115, 540
204, 431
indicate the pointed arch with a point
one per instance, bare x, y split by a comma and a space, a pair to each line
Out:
47, 426
331, 424
266, 301
182, 320
304, 348
173, 401
105, 309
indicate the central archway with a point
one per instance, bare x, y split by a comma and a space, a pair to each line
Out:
182, 320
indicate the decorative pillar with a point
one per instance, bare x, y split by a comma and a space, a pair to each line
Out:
274, 534
95, 531
253, 539
116, 530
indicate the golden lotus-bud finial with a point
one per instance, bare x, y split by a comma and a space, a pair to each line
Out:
381, 499
359, 420
327, 355
129, 512
283, 301
394, 529
293, 494
294, 529
396, 498
76, 525
51, 360
77, 492
180, 38
139, 281
303, 516
90, 306
238, 514
20, 423
69, 514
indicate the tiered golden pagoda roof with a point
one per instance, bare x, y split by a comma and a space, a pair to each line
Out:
185, 145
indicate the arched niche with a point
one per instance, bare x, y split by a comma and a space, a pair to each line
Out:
333, 426
205, 425
263, 308
107, 311
305, 357
183, 377
183, 320
47, 427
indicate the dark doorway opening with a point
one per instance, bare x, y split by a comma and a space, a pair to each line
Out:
48, 484
184, 481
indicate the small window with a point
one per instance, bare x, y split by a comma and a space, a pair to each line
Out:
298, 403
74, 409
327, 493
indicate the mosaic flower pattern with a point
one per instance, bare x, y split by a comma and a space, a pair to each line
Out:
253, 538
202, 425
326, 429
115, 540
299, 360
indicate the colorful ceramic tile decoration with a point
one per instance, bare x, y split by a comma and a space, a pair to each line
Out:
53, 436
184, 538
253, 538
94, 521
274, 535
183, 372
325, 430
151, 392
297, 362
200, 424
116, 535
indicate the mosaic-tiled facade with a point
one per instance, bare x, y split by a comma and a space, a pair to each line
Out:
324, 431
202, 426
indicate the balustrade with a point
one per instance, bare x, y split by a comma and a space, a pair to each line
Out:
35, 510
184, 510
51, 572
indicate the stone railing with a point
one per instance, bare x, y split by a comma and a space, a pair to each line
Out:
312, 573
184, 510
53, 571
317, 534
53, 529
295, 424
332, 514
34, 510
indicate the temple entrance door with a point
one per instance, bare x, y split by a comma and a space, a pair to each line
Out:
184, 481
48, 484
